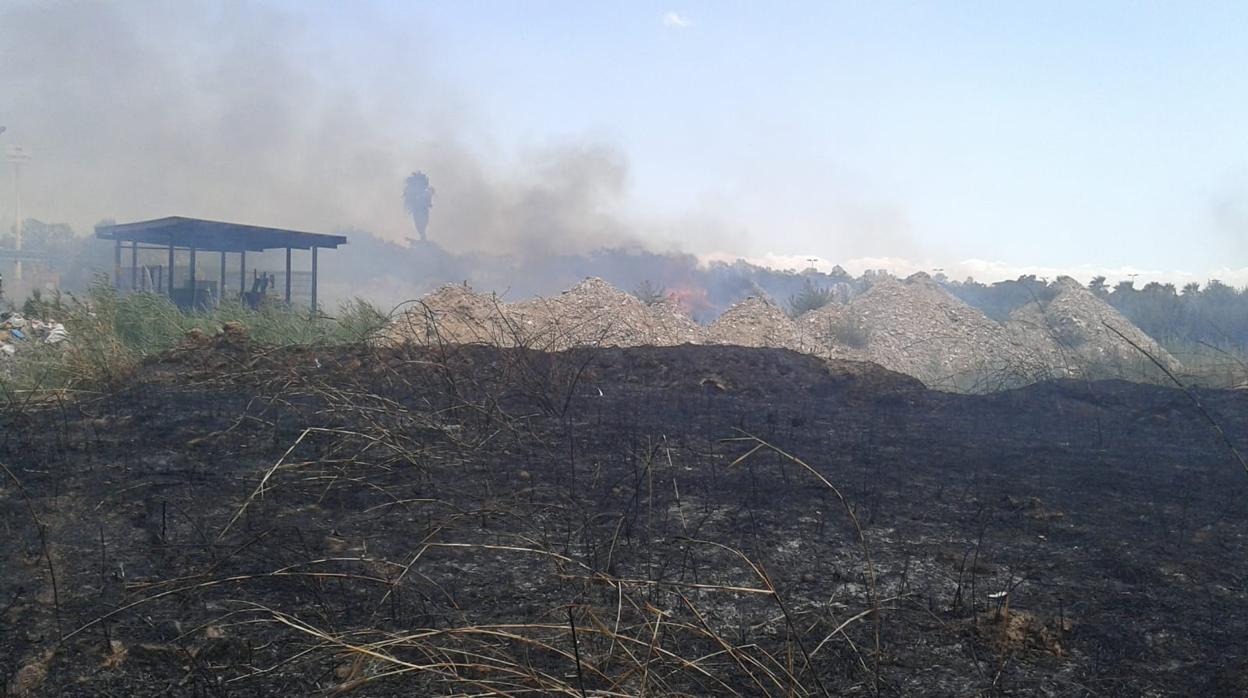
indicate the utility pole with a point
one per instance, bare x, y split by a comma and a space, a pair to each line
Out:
17, 156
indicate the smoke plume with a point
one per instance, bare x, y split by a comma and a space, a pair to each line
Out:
242, 112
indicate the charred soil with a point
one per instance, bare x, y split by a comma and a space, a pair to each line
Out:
410, 521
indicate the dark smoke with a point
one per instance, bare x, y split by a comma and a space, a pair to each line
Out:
242, 112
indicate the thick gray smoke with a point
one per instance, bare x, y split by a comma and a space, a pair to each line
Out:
241, 112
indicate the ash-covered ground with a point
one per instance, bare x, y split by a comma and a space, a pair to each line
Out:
238, 520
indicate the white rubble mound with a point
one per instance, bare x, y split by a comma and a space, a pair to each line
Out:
920, 329
595, 313
755, 322
914, 327
1073, 332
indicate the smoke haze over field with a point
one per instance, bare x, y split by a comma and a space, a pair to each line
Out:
864, 136
237, 112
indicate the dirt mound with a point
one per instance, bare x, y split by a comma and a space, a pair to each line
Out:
672, 321
454, 314
1069, 332
755, 322
595, 313
914, 327
918, 328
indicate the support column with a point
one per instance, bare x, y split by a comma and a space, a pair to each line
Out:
287, 276
169, 275
191, 277
314, 307
134, 265
242, 272
117, 263
221, 283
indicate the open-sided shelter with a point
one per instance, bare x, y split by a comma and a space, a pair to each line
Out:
196, 236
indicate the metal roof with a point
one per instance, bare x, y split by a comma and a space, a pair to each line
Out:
215, 236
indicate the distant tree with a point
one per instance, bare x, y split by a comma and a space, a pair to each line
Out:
1217, 289
811, 297
648, 293
418, 199
1191, 288
1099, 286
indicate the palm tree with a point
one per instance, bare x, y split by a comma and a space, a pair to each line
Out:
418, 199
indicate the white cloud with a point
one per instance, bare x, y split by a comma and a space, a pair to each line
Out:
675, 20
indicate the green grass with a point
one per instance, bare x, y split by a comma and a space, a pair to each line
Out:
110, 334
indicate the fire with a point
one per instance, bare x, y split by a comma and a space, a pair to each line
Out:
695, 300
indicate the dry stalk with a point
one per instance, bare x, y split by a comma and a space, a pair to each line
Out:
853, 518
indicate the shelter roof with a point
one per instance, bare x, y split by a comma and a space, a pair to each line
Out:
215, 236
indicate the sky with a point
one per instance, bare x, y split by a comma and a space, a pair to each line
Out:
984, 138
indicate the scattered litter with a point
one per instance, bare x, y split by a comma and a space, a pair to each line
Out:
18, 333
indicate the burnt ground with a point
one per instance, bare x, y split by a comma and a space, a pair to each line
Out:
240, 521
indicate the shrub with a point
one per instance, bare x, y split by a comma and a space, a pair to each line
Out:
649, 294
811, 297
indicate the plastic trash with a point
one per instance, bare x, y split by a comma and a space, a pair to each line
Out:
57, 335
17, 334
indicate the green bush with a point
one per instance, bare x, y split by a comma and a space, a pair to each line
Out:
110, 334
811, 297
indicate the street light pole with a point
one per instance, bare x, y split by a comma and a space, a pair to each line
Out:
17, 155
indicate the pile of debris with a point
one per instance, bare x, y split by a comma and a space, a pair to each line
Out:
454, 314
595, 313
18, 333
914, 327
1072, 334
920, 329
755, 322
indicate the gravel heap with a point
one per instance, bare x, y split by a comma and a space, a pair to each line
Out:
920, 329
755, 322
672, 321
914, 327
454, 314
595, 313
1069, 331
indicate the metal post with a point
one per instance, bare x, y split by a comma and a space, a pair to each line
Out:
287, 276
169, 276
17, 156
134, 265
242, 272
314, 308
117, 263
221, 284
191, 277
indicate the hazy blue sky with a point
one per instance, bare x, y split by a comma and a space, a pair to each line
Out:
1063, 133
1052, 134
